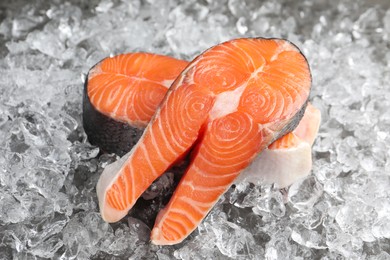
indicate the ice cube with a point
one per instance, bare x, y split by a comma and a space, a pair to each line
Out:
12, 210
308, 238
200, 247
120, 243
242, 28
355, 218
305, 193
104, 6
90, 229
346, 245
279, 247
234, 241
368, 21
271, 202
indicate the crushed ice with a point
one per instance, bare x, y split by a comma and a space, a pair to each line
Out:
48, 172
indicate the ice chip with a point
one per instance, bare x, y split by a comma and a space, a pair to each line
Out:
279, 247
12, 210
48, 44
47, 248
234, 241
200, 247
368, 21
308, 238
346, 245
242, 28
104, 6
90, 229
355, 218
134, 7
47, 181
305, 193
381, 256
381, 228
242, 8
271, 202
120, 243
289, 25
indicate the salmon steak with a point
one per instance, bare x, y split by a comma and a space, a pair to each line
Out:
121, 94
286, 160
225, 108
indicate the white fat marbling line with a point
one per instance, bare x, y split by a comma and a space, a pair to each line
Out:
167, 83
226, 102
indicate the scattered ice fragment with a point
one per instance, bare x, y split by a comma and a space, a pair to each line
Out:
334, 187
355, 218
232, 240
46, 181
242, 28
90, 229
242, 8
381, 228
261, 25
325, 171
104, 6
134, 7
163, 254
85, 151
11, 210
46, 43
201, 247
197, 10
381, 256
279, 247
368, 21
47, 248
272, 202
312, 218
347, 153
308, 238
244, 195
347, 245
304, 193
289, 25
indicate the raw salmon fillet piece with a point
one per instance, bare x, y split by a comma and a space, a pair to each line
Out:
286, 160
129, 80
121, 94
141, 81
228, 105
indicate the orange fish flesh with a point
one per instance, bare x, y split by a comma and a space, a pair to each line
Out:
231, 103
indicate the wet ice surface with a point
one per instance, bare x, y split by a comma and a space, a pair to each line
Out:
48, 171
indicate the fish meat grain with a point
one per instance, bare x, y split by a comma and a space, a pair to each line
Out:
280, 164
228, 105
121, 94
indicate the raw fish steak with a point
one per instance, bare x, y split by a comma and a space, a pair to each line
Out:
133, 79
227, 106
121, 94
